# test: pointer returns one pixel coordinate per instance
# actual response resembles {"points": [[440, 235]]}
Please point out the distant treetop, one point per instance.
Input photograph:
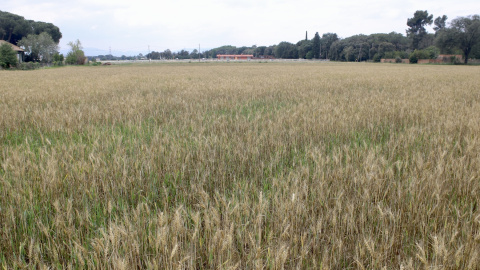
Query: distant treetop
{"points": [[14, 27]]}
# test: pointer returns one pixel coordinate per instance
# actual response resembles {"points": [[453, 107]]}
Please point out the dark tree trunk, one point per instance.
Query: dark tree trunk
{"points": [[10, 35], [467, 52]]}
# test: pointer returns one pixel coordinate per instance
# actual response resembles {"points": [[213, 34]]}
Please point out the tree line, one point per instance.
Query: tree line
{"points": [[460, 36]]}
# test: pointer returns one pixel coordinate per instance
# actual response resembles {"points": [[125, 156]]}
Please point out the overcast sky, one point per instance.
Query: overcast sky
{"points": [[130, 26]]}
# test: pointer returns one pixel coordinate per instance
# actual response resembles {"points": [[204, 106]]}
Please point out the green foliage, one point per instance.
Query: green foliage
{"points": [[316, 46], [432, 52], [463, 34], [286, 50], [440, 23], [28, 66], [413, 58], [13, 28], [304, 48], [475, 53], [416, 31], [227, 49], [447, 40], [58, 59], [154, 55], [8, 57], [309, 55], [326, 42], [355, 48], [385, 47], [76, 56], [39, 48]]}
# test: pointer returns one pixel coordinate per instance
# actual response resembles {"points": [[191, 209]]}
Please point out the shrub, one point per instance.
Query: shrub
{"points": [[76, 58], [413, 58], [431, 52], [309, 55], [8, 56], [28, 65], [390, 55]]}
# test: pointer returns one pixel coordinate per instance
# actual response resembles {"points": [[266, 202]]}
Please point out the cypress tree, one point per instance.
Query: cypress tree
{"points": [[316, 46]]}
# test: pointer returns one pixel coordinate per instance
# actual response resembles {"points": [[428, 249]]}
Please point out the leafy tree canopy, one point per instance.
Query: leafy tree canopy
{"points": [[14, 27], [286, 50], [40, 48], [440, 23], [416, 31], [463, 34], [316, 46], [76, 56]]}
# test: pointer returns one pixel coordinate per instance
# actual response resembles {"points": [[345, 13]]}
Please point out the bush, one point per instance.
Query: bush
{"points": [[377, 57], [28, 65], [309, 55], [8, 57], [403, 54], [431, 52], [76, 58], [390, 55], [413, 58], [398, 59], [58, 59]]}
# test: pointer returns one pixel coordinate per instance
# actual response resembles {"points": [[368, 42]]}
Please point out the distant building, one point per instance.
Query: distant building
{"points": [[234, 56], [20, 52]]}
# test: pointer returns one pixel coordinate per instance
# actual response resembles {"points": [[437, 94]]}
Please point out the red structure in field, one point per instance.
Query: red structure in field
{"points": [[234, 56]]}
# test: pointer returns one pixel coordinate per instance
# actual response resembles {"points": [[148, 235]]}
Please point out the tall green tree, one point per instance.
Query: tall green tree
{"points": [[76, 56], [49, 28], [167, 54], [463, 33], [305, 48], [440, 23], [327, 40], [316, 46], [14, 27], [416, 31], [286, 50], [8, 57], [39, 48]]}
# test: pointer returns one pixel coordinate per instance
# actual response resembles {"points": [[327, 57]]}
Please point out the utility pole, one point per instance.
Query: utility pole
{"points": [[149, 52], [198, 52]]}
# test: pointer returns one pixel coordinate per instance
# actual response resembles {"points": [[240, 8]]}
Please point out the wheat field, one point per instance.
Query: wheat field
{"points": [[240, 166]]}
